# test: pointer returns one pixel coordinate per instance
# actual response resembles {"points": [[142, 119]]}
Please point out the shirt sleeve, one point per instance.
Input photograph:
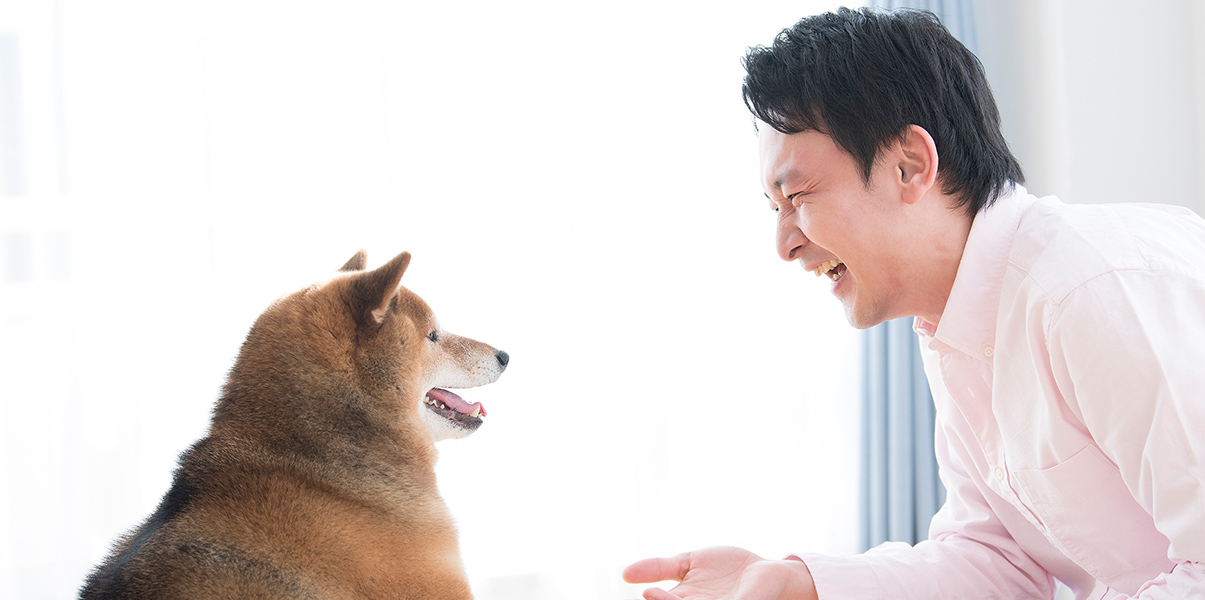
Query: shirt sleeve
{"points": [[1128, 353], [970, 554]]}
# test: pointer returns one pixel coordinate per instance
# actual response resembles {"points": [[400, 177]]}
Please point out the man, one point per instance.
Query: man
{"points": [[1064, 344]]}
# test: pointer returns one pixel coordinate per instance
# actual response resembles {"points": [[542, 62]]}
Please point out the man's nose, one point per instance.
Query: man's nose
{"points": [[790, 240]]}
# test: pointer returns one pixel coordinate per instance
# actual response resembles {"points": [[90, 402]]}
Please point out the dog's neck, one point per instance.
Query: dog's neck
{"points": [[338, 426]]}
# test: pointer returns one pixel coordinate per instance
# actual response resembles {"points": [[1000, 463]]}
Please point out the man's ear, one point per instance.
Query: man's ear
{"points": [[917, 163]]}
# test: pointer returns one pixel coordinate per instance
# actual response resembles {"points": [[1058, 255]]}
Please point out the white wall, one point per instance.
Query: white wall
{"points": [[578, 186], [1101, 101]]}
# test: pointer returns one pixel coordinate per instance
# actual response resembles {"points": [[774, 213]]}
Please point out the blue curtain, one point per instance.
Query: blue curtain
{"points": [[901, 490]]}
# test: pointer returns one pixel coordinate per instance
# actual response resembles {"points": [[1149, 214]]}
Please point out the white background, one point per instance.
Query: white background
{"points": [[578, 185]]}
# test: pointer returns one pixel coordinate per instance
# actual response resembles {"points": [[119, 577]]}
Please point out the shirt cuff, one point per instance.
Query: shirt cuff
{"points": [[840, 577]]}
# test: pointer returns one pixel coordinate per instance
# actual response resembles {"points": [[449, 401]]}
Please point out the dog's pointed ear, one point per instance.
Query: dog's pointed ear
{"points": [[377, 288], [359, 262]]}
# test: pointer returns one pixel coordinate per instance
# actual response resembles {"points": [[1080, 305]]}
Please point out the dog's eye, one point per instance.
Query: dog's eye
{"points": [[434, 337]]}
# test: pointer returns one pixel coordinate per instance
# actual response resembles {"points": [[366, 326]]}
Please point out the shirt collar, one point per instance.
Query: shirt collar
{"points": [[968, 322]]}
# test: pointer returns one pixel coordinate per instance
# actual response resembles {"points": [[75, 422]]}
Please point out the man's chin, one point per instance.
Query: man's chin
{"points": [[864, 324], [860, 318]]}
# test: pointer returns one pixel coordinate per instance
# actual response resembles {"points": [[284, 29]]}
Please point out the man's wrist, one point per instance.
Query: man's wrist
{"points": [[801, 583]]}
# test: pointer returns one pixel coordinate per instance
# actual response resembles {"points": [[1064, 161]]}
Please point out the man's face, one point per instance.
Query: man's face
{"points": [[835, 224]]}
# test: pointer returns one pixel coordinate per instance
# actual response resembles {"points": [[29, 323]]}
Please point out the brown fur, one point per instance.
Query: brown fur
{"points": [[316, 479]]}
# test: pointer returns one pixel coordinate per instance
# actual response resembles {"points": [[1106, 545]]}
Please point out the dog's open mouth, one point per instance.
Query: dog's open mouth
{"points": [[455, 409]]}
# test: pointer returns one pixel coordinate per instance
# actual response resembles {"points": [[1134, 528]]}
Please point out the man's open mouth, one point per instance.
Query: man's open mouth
{"points": [[455, 409], [834, 269]]}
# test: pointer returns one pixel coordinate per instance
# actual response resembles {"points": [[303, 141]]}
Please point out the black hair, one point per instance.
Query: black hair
{"points": [[863, 76]]}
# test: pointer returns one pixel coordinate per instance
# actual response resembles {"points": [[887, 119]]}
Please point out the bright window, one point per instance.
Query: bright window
{"points": [[578, 185]]}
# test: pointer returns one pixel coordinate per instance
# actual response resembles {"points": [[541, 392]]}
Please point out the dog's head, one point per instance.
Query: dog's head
{"points": [[393, 323], [353, 354]]}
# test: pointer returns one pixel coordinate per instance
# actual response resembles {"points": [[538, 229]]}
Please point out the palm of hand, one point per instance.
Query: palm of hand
{"points": [[712, 574]]}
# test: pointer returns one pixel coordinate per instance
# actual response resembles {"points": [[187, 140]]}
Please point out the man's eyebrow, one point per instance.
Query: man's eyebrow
{"points": [[792, 174]]}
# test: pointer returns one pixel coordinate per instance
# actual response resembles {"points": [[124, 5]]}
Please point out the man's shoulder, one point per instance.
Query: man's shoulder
{"points": [[1060, 246]]}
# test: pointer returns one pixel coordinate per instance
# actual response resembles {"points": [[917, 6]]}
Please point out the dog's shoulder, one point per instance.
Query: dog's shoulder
{"points": [[125, 573], [182, 551]]}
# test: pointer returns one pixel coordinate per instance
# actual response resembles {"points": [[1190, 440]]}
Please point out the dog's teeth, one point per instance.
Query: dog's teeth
{"points": [[476, 411]]}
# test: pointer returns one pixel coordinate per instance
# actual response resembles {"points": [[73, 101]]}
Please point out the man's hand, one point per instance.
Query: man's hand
{"points": [[723, 574]]}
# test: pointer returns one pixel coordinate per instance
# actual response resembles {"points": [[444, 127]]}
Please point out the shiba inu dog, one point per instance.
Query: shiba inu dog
{"points": [[316, 478]]}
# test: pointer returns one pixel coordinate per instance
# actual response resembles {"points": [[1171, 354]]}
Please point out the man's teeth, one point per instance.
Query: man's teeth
{"points": [[824, 268], [433, 402]]}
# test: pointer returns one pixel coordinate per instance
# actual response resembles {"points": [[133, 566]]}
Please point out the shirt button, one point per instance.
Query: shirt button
{"points": [[988, 352], [1000, 473]]}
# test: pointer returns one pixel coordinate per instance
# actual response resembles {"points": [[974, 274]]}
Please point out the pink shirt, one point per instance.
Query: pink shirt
{"points": [[1068, 372]]}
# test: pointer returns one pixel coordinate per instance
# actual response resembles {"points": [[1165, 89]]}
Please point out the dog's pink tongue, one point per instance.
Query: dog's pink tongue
{"points": [[455, 402]]}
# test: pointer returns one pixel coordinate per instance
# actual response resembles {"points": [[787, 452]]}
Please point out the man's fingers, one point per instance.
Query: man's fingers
{"points": [[652, 570], [659, 594]]}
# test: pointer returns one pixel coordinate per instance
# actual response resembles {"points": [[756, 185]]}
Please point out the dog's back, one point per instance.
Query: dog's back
{"points": [[316, 479]]}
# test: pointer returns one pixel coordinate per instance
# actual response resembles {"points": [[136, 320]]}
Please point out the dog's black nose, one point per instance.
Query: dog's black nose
{"points": [[503, 358]]}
